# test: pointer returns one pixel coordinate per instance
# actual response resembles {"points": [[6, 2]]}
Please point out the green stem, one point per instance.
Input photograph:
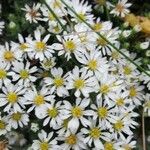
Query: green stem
{"points": [[54, 14], [129, 59]]}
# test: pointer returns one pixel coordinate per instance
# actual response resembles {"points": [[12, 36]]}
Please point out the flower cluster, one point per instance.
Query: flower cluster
{"points": [[71, 85]]}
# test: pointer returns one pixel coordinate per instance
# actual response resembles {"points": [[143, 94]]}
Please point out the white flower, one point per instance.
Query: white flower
{"points": [[45, 142], [76, 113], [72, 140], [94, 134], [94, 61], [12, 97], [121, 9], [32, 14], [135, 94], [111, 36], [52, 115], [38, 48], [38, 99], [57, 82], [4, 69], [103, 113], [18, 119], [127, 143], [22, 73], [9, 54], [69, 45], [82, 9]]}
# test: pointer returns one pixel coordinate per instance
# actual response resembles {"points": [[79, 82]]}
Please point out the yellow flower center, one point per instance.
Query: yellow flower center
{"points": [[82, 16], [127, 147], [118, 125], [71, 139], [23, 46], [115, 55], [77, 112], [92, 64], [57, 4], [3, 74], [24, 74], [95, 133], [12, 97], [127, 70], [108, 146], [56, 29], [2, 125], [52, 112], [79, 83], [104, 89], [120, 102], [101, 42], [133, 92], [102, 112], [16, 116], [9, 56], [40, 46], [39, 100], [119, 7], [97, 26], [70, 46], [58, 81], [100, 2], [44, 146], [51, 16]]}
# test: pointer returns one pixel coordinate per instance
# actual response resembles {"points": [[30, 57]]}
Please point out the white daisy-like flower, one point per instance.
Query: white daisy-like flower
{"points": [[18, 119], [68, 45], [103, 113], [82, 81], [136, 94], [1, 26], [49, 17], [108, 85], [94, 61], [111, 36], [22, 73], [12, 97], [85, 35], [52, 114], [4, 125], [94, 135], [122, 124], [121, 8], [45, 142], [57, 82], [38, 99], [32, 13], [9, 53], [83, 9], [147, 104], [76, 113], [72, 140], [38, 48], [4, 69], [127, 143]]}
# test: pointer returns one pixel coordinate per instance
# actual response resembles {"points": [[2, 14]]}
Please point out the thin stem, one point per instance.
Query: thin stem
{"points": [[107, 12], [143, 131], [129, 59], [54, 14]]}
